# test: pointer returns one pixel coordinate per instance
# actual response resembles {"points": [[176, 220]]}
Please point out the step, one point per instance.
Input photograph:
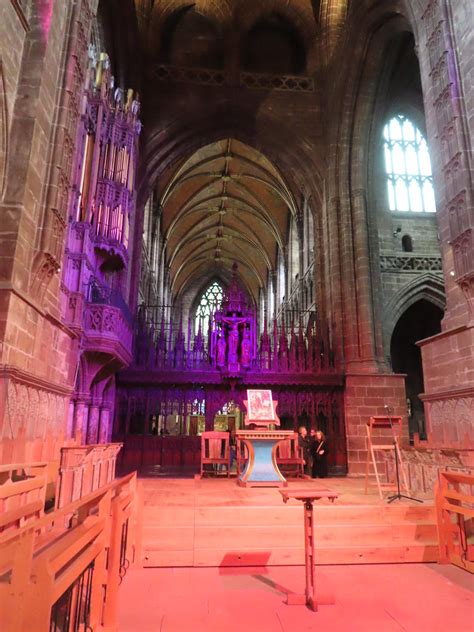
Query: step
{"points": [[288, 515], [416, 553]]}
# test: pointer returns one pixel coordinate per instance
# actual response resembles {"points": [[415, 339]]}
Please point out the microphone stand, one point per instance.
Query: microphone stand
{"points": [[398, 495]]}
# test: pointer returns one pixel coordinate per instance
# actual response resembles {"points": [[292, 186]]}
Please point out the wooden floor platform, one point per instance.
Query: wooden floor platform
{"points": [[213, 522]]}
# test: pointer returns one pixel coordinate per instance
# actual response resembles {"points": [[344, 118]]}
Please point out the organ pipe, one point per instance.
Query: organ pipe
{"points": [[106, 177]]}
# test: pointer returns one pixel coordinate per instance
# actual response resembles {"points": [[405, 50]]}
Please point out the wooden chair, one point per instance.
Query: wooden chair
{"points": [[290, 456], [215, 451]]}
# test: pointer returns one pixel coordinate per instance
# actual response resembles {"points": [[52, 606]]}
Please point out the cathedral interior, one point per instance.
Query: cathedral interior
{"points": [[201, 198]]}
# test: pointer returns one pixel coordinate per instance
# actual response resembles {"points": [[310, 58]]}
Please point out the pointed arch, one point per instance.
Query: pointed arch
{"points": [[207, 302], [428, 286]]}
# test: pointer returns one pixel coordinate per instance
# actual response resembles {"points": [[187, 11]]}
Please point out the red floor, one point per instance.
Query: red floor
{"points": [[368, 598]]}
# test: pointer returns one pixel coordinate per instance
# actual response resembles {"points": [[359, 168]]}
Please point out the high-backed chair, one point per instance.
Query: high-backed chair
{"points": [[215, 451], [290, 456]]}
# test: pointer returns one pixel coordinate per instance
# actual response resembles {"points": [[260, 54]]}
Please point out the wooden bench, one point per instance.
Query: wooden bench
{"points": [[68, 564]]}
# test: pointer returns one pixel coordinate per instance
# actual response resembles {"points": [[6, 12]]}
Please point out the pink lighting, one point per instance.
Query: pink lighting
{"points": [[45, 17]]}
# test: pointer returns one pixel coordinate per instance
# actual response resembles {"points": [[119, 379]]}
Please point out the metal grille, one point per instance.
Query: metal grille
{"points": [[124, 562], [71, 612]]}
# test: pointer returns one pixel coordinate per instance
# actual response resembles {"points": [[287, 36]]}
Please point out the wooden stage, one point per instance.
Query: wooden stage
{"points": [[213, 522]]}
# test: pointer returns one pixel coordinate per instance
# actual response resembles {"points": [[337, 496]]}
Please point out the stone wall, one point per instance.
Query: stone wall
{"points": [[38, 353], [319, 130]]}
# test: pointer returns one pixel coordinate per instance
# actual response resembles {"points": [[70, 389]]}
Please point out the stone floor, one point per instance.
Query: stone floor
{"points": [[370, 598]]}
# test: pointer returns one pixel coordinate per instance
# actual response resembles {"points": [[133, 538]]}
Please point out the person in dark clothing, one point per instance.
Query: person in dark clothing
{"points": [[320, 455], [305, 443]]}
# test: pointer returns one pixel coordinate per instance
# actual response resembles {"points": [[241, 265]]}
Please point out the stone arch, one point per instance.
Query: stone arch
{"points": [[331, 15], [273, 44], [427, 286], [365, 47], [218, 12], [419, 319], [191, 38], [300, 17]]}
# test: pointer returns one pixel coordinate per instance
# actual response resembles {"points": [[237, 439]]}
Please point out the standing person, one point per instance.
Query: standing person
{"points": [[305, 443], [320, 455]]}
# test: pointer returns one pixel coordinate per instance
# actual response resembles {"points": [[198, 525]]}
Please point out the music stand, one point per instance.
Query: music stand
{"points": [[375, 424], [398, 495]]}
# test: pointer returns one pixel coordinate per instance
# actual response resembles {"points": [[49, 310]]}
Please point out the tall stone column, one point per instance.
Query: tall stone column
{"points": [[448, 358], [371, 387]]}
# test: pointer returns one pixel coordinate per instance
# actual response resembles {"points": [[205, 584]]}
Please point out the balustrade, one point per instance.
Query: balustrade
{"points": [[105, 325]]}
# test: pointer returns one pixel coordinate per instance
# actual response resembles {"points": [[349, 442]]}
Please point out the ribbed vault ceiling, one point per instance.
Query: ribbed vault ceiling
{"points": [[226, 203]]}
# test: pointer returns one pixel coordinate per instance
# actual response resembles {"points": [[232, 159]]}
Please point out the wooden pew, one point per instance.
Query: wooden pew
{"points": [[22, 493], [71, 561]]}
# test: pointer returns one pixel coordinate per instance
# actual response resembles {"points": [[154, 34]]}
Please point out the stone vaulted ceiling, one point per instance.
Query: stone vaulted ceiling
{"points": [[226, 203]]}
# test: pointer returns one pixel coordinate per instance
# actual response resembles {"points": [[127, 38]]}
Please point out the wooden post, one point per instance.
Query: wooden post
{"points": [[12, 609], [113, 569], [138, 532]]}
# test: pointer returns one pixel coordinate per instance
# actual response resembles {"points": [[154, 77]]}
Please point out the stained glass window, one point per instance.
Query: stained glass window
{"points": [[210, 301], [408, 167]]}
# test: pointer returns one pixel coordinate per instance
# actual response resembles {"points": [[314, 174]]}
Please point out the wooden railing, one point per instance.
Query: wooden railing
{"points": [[22, 493], [62, 571], [455, 513]]}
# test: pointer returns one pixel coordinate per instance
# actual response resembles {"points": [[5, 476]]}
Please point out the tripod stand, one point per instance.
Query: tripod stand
{"points": [[398, 495]]}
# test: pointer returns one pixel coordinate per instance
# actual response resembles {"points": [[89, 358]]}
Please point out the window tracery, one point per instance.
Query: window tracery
{"points": [[210, 301], [408, 167]]}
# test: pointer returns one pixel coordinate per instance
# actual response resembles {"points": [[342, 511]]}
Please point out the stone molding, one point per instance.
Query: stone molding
{"points": [[410, 263], [23, 377], [33, 422], [250, 80]]}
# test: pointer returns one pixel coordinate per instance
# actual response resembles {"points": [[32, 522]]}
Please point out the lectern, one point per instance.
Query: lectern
{"points": [[307, 496]]}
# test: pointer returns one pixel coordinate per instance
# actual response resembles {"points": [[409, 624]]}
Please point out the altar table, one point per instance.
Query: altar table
{"points": [[262, 469]]}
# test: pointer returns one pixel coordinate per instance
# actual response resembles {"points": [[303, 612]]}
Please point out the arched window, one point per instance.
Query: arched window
{"points": [[210, 301], [408, 167]]}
